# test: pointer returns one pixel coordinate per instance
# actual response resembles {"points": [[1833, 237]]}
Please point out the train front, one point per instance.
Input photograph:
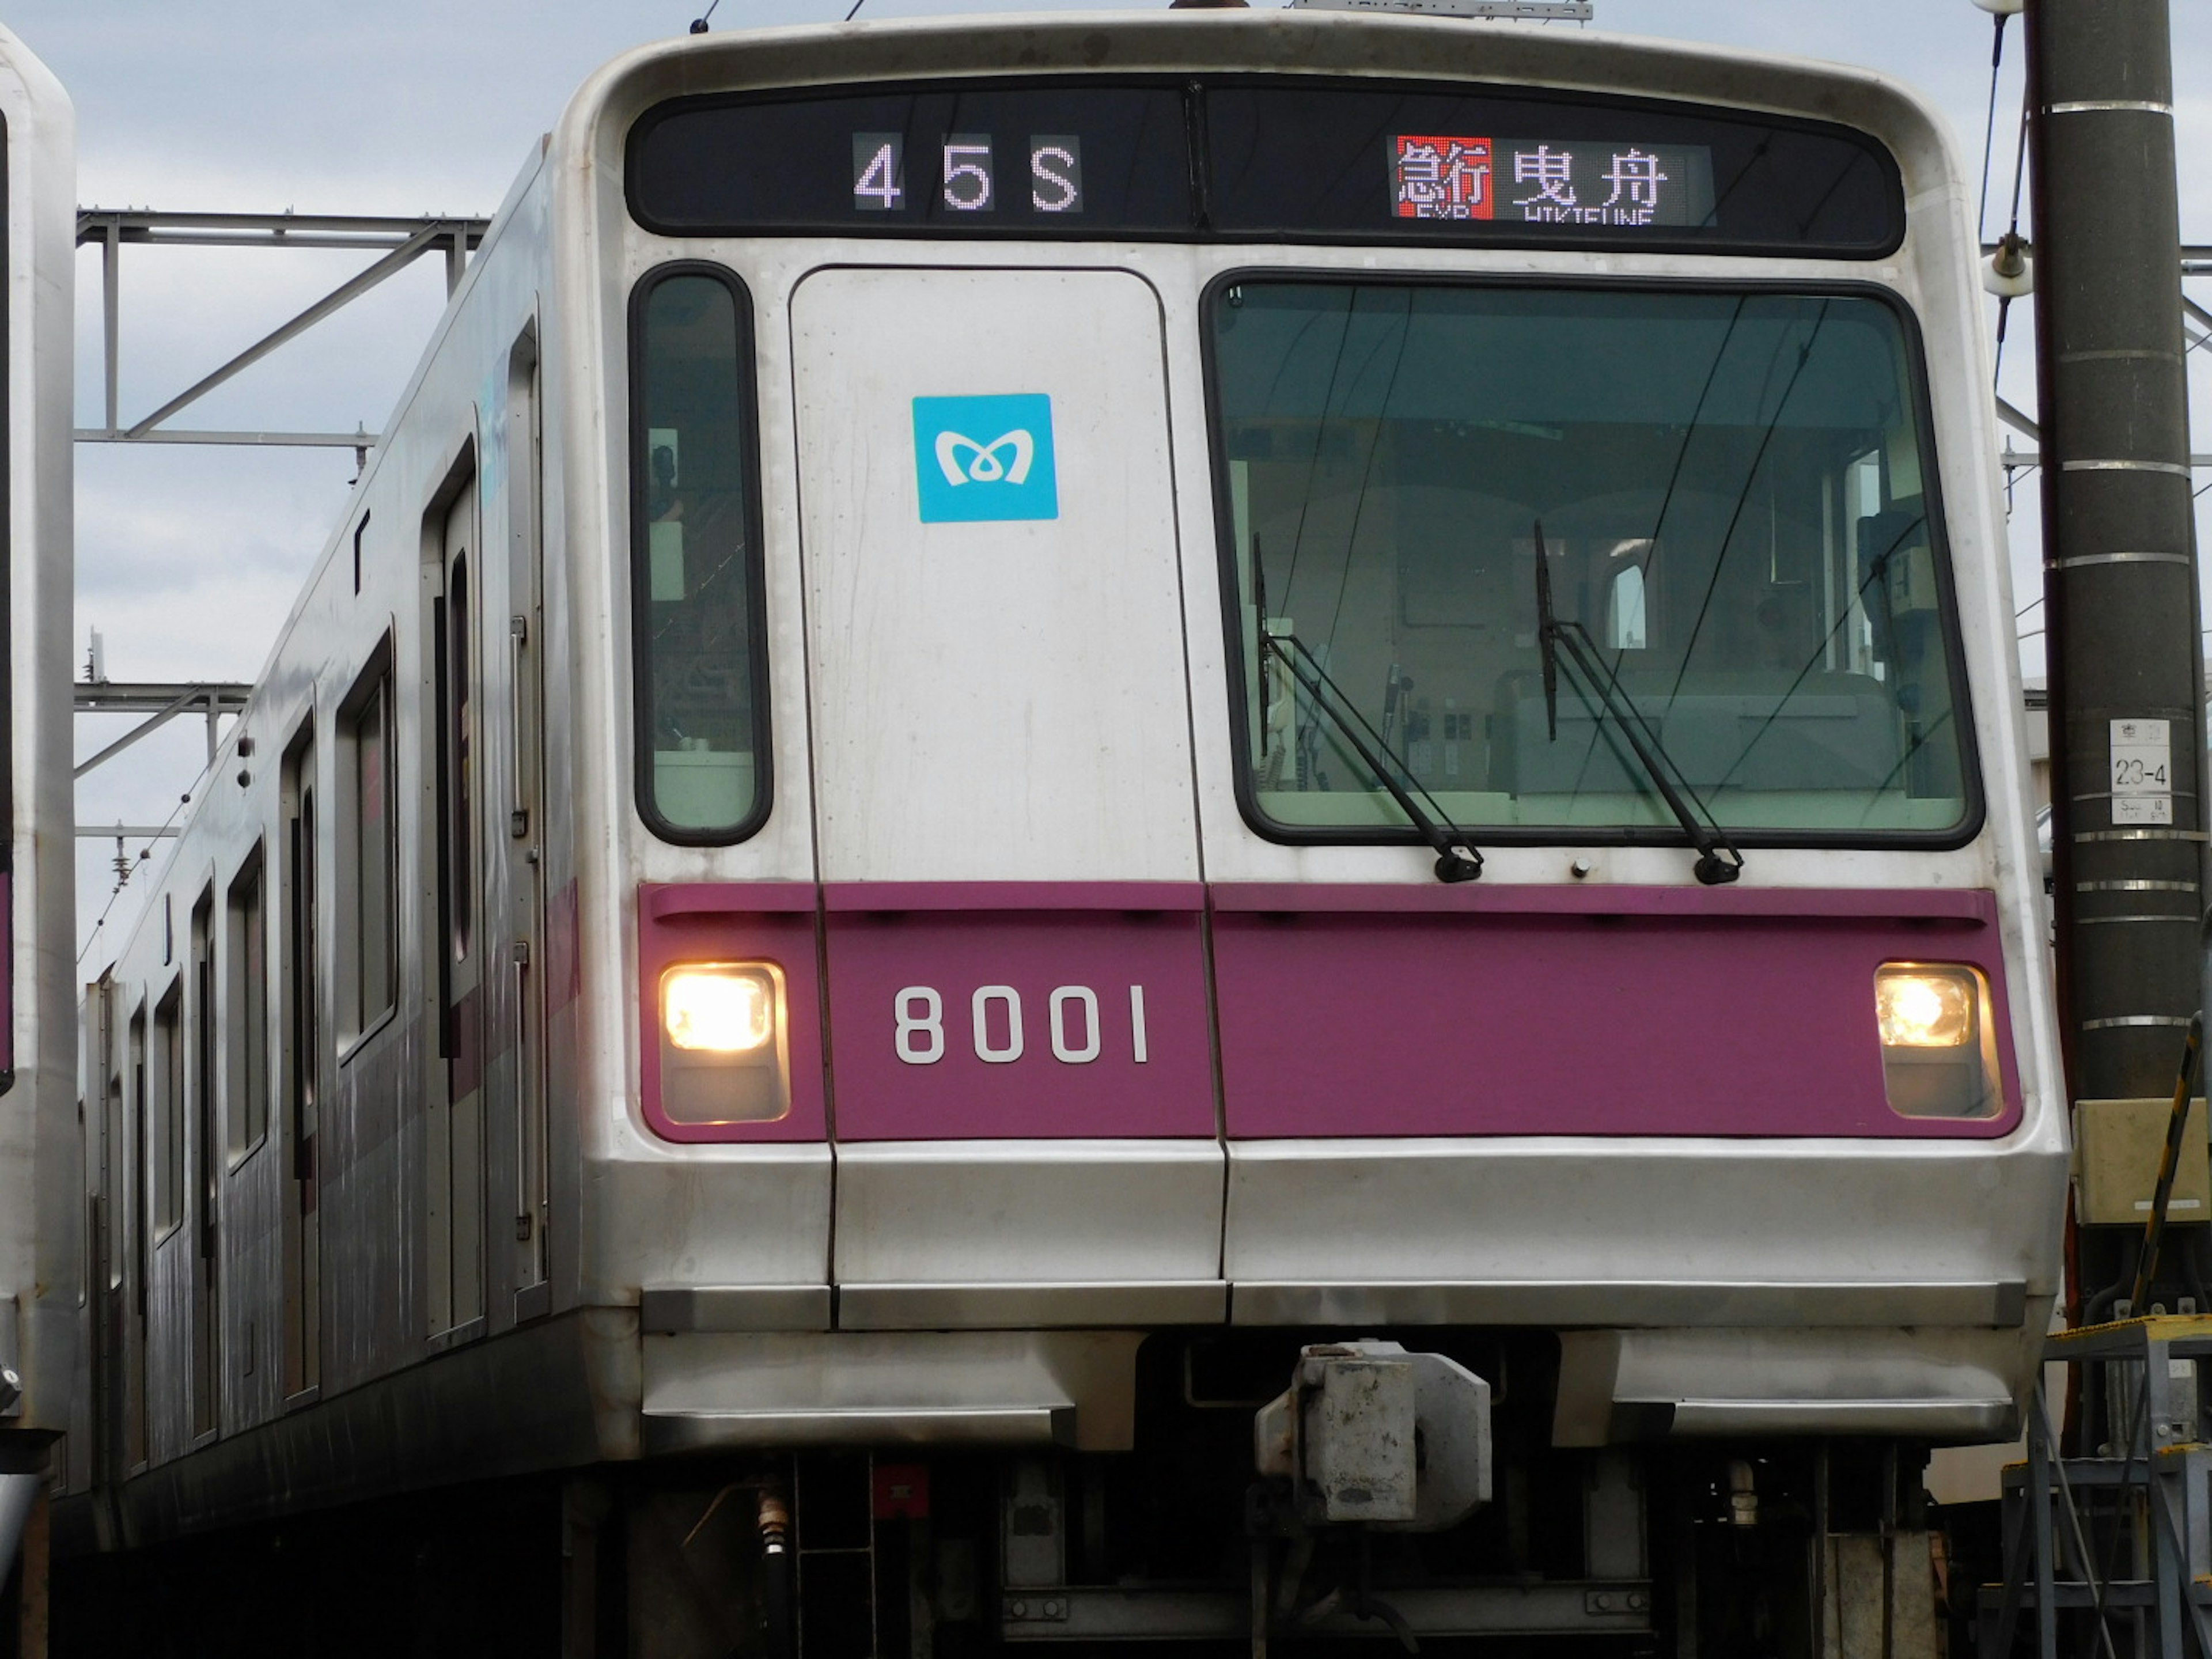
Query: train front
{"points": [[1321, 869]]}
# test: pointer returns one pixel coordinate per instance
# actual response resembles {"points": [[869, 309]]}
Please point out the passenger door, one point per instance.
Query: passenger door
{"points": [[206, 1199], [111, 1281], [456, 1123], [1008, 834], [138, 1411]]}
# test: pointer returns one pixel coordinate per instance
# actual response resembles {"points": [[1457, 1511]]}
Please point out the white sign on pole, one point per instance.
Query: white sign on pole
{"points": [[2143, 772]]}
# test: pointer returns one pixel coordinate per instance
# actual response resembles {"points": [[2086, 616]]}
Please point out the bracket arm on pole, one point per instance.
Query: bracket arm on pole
{"points": [[390, 265]]}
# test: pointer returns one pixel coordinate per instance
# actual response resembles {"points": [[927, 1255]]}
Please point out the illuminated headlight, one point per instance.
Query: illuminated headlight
{"points": [[1938, 1048], [723, 1056], [719, 1010], [1926, 1007]]}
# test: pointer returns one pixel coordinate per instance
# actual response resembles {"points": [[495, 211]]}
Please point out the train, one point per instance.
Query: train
{"points": [[42, 1293], [816, 1010]]}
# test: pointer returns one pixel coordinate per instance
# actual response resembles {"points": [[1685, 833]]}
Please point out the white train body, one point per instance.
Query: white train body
{"points": [[41, 1289], [1091, 1004]]}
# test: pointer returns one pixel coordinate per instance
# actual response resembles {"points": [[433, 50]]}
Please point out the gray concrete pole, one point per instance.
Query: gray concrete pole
{"points": [[2119, 547]]}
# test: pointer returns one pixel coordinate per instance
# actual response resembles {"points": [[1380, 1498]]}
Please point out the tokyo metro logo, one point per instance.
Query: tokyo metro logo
{"points": [[966, 461], [984, 459]]}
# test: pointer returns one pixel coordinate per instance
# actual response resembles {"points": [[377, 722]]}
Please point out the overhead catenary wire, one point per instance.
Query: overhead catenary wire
{"points": [[92, 937], [2012, 227], [1990, 134]]}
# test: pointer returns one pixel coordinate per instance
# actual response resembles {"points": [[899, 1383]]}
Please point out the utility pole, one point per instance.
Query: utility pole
{"points": [[2126, 661]]}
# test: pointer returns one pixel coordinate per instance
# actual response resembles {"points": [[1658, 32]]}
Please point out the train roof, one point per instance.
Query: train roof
{"points": [[1270, 39]]}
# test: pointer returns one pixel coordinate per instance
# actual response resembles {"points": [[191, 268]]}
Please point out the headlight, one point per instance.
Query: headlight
{"points": [[723, 1056], [1939, 1056], [1926, 1007], [718, 1009]]}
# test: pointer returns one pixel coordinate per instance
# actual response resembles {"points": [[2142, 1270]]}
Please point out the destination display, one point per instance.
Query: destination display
{"points": [[1541, 182], [1026, 161], [1249, 158], [969, 181]]}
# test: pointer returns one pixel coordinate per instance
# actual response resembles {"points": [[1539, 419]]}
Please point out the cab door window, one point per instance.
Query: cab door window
{"points": [[702, 769]]}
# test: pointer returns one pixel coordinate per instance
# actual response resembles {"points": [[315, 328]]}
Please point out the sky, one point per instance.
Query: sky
{"points": [[188, 558]]}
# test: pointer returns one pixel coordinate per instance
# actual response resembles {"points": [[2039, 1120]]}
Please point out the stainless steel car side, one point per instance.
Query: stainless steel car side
{"points": [[42, 1380]]}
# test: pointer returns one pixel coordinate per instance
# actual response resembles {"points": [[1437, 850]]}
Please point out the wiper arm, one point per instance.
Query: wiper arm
{"points": [[1705, 834], [1457, 857], [1547, 649]]}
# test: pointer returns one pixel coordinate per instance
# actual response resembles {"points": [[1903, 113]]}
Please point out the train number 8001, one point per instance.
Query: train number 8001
{"points": [[995, 1024]]}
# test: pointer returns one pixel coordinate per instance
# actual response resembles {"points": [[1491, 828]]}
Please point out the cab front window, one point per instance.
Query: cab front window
{"points": [[1740, 541], [702, 763]]}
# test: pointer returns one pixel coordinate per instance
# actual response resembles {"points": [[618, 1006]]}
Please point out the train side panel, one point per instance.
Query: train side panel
{"points": [[368, 1170], [41, 1229]]}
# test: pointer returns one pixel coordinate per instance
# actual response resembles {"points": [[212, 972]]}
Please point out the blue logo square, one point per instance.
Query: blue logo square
{"points": [[978, 459]]}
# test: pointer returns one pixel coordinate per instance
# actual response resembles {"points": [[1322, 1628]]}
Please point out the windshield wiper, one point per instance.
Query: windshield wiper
{"points": [[1704, 830], [1457, 857]]}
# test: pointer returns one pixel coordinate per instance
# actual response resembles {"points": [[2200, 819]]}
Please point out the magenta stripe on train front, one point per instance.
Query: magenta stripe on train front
{"points": [[1018, 1010], [1398, 1011]]}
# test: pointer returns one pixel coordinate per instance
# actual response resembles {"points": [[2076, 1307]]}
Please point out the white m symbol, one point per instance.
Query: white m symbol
{"points": [[983, 463]]}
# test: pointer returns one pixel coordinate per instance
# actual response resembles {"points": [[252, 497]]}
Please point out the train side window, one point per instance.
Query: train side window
{"points": [[302, 961], [703, 761], [299, 994], [206, 1169], [246, 1035], [368, 851], [138, 1202], [137, 1199], [201, 1014], [168, 1150], [460, 681], [113, 1182]]}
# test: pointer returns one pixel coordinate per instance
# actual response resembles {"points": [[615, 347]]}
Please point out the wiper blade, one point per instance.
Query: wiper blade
{"points": [[1547, 649], [1719, 862], [1457, 857]]}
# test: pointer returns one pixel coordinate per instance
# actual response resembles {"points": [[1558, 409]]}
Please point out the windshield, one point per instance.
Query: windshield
{"points": [[1730, 492]]}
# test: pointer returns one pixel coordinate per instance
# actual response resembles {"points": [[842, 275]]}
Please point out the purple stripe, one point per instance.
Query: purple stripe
{"points": [[1342, 1017], [1343, 1009], [1130, 1080]]}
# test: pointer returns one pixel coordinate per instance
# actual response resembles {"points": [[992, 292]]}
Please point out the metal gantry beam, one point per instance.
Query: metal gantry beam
{"points": [[401, 242], [163, 699]]}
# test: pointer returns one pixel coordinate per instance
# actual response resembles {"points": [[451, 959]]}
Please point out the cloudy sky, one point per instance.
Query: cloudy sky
{"points": [[188, 558]]}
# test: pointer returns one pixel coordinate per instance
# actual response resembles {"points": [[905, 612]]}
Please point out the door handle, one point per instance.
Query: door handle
{"points": [[518, 814]]}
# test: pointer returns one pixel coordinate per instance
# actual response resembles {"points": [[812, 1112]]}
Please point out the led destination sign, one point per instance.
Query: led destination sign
{"points": [[1028, 161], [968, 180], [1251, 158], [1544, 182]]}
